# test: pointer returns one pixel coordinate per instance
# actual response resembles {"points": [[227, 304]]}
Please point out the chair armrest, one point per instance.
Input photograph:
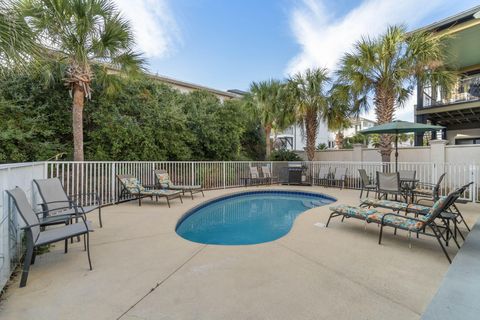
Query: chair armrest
{"points": [[59, 201], [61, 208], [401, 216]]}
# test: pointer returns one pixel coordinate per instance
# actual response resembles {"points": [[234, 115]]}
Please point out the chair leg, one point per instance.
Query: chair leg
{"points": [[26, 266], [34, 255], [361, 193], [84, 242], [168, 202], [88, 249], [139, 201], [380, 235], [203, 193], [191, 193], [66, 246], [441, 244], [326, 226], [100, 216], [181, 200]]}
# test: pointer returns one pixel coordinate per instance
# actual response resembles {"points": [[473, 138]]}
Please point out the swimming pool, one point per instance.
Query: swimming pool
{"points": [[247, 217]]}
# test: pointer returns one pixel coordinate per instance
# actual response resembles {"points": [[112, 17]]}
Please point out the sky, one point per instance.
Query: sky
{"points": [[227, 44]]}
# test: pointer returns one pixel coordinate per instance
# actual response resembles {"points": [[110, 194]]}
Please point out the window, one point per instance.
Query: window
{"points": [[467, 141]]}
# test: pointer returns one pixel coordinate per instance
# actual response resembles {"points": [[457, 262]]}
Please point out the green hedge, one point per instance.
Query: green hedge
{"points": [[143, 120]]}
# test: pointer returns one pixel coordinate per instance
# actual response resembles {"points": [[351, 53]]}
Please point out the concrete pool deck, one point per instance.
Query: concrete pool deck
{"points": [[144, 270]]}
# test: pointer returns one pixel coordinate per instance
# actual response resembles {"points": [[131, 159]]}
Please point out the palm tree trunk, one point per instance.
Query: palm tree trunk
{"points": [[339, 139], [385, 109], [77, 122], [311, 126], [268, 129]]}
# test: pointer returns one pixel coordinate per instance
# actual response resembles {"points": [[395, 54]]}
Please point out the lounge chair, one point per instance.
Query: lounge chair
{"points": [[397, 221], [132, 186], [268, 175], [35, 237], [163, 181], [323, 176], [365, 182], [339, 177], [56, 201]]}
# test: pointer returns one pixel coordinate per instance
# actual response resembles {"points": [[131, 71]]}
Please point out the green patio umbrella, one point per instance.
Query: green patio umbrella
{"points": [[399, 126]]}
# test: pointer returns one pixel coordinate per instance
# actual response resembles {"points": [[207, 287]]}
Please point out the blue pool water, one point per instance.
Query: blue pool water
{"points": [[248, 217]]}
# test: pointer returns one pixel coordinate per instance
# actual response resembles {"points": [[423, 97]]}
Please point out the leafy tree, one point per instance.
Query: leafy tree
{"points": [[387, 68], [269, 100], [309, 98], [284, 155], [337, 112], [81, 32], [17, 42]]}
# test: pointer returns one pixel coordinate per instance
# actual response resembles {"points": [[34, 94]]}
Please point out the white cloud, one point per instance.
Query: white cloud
{"points": [[324, 37], [155, 27]]}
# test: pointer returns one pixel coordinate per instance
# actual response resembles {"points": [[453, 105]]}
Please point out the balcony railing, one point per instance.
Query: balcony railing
{"points": [[465, 90]]}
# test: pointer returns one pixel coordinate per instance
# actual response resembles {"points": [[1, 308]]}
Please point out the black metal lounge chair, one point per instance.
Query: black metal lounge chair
{"points": [[131, 185], [339, 177], [35, 237], [365, 182], [58, 203], [397, 221], [268, 175], [162, 179]]}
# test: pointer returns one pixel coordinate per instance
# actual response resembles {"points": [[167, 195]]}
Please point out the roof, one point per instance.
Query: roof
{"points": [[464, 16], [192, 85]]}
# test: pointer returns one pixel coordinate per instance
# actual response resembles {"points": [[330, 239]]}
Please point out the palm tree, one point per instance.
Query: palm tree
{"points": [[269, 101], [17, 43], [308, 97], [80, 33], [387, 69], [337, 112]]}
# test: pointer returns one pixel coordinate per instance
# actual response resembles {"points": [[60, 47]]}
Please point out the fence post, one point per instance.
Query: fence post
{"points": [[193, 173], [112, 183], [224, 176], [475, 182]]}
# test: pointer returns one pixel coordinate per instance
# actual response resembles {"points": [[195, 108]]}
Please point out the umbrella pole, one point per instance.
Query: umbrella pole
{"points": [[396, 152]]}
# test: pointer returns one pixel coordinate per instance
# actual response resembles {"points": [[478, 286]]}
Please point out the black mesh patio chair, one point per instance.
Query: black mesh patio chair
{"points": [[389, 183], [365, 182], [35, 237], [408, 181], [323, 176], [425, 191], [131, 185], [162, 181], [255, 176], [268, 175], [338, 178], [57, 203]]}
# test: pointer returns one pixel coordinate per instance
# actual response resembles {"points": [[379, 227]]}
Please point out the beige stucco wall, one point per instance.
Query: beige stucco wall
{"points": [[462, 134], [440, 153]]}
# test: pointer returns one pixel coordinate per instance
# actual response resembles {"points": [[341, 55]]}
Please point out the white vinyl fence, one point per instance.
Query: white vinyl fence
{"points": [[100, 177]]}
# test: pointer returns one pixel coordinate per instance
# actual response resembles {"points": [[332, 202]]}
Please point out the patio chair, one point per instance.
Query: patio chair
{"points": [[56, 201], [365, 182], [131, 185], [389, 183], [428, 191], [339, 177], [323, 176], [268, 175], [255, 176], [407, 181], [35, 237], [163, 181]]}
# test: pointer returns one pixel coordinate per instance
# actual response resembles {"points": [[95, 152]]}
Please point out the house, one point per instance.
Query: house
{"points": [[357, 124], [186, 87], [459, 109]]}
